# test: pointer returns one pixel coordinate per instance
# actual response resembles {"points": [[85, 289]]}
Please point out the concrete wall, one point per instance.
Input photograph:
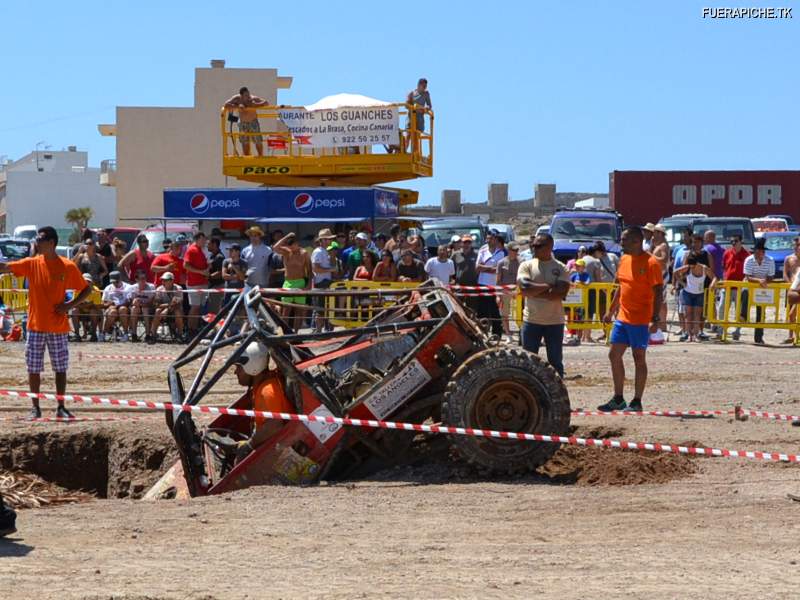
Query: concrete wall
{"points": [[497, 194], [545, 195], [34, 198], [159, 148]]}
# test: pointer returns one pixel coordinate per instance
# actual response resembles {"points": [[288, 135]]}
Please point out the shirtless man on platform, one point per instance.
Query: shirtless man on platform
{"points": [[248, 119], [297, 264]]}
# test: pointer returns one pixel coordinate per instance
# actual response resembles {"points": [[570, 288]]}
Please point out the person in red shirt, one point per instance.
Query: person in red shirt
{"points": [[49, 277], [636, 306], [140, 259], [196, 265], [733, 270], [169, 262]]}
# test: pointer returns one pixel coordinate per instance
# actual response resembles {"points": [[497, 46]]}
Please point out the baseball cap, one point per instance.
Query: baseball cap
{"points": [[88, 277], [580, 262], [466, 238], [513, 246], [362, 236], [333, 246], [181, 238], [493, 232], [114, 276], [582, 249], [167, 275], [235, 247], [455, 238]]}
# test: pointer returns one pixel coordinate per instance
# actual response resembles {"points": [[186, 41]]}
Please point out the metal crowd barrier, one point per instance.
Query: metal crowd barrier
{"points": [[754, 307], [584, 305], [14, 300]]}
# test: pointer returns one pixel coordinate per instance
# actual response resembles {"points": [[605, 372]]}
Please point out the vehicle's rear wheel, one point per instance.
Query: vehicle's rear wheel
{"points": [[508, 390]]}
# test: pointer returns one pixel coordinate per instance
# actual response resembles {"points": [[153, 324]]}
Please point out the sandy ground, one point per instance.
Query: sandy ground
{"points": [[716, 528]]}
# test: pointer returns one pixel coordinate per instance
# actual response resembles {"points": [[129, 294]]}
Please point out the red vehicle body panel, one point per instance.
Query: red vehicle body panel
{"points": [[643, 196]]}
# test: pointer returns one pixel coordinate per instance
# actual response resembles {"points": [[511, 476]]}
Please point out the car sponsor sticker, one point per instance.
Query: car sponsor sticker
{"points": [[322, 431], [407, 382]]}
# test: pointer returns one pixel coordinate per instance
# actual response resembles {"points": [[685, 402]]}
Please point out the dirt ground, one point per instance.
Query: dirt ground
{"points": [[592, 523]]}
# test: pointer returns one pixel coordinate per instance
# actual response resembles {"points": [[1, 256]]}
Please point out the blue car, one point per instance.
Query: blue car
{"points": [[572, 228], [780, 244]]}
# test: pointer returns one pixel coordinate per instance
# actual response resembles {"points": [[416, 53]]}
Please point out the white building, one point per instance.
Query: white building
{"points": [[39, 189]]}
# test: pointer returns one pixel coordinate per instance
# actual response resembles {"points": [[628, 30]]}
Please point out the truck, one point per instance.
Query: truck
{"points": [[572, 228], [647, 196]]}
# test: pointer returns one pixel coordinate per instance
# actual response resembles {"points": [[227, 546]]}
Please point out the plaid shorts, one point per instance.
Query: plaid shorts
{"points": [[57, 347]]}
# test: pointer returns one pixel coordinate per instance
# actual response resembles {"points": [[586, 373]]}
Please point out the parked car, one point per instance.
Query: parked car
{"points": [[677, 224], [789, 220], [780, 244], [157, 233], [435, 232], [726, 228], [25, 232], [14, 248], [126, 234], [764, 224], [507, 231], [572, 228]]}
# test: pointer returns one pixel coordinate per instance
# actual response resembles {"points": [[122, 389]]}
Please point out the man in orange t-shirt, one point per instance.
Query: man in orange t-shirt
{"points": [[636, 306], [49, 277]]}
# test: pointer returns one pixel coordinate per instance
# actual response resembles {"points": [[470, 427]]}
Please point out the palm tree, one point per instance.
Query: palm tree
{"points": [[79, 217]]}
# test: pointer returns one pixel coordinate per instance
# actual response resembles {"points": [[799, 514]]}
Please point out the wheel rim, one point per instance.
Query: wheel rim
{"points": [[507, 406]]}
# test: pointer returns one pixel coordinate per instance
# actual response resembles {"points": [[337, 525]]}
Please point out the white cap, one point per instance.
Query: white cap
{"points": [[455, 239], [88, 277], [167, 275], [253, 359], [362, 236]]}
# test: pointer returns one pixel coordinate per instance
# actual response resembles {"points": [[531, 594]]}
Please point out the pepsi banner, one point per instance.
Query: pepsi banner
{"points": [[342, 127], [289, 204]]}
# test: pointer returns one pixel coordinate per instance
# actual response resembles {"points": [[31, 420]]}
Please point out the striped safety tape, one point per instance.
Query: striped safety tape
{"points": [[465, 431]]}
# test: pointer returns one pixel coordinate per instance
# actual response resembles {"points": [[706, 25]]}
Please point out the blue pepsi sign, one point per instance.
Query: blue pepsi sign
{"points": [[282, 203]]}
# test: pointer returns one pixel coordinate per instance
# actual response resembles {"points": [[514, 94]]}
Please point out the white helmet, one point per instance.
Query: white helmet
{"points": [[254, 358]]}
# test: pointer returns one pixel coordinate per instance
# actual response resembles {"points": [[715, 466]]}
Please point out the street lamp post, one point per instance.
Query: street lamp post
{"points": [[36, 150]]}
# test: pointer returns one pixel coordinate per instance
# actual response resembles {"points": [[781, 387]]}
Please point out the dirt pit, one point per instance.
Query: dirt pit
{"points": [[112, 464], [104, 462]]}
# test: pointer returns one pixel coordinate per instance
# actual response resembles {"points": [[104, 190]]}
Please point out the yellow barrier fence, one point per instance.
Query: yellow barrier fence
{"points": [[355, 311], [584, 305], [16, 302], [754, 306]]}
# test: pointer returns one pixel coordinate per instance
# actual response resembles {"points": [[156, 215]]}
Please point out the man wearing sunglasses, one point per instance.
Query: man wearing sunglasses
{"points": [[49, 277], [544, 283]]}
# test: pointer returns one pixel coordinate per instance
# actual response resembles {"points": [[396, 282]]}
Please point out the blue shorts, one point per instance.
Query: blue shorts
{"points": [[694, 300], [635, 336]]}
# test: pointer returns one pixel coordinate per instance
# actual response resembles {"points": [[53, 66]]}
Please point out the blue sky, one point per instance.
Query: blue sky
{"points": [[524, 92]]}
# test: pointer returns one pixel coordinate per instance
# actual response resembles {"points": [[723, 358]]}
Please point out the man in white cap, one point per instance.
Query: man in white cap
{"points": [[324, 270], [647, 232], [168, 304]]}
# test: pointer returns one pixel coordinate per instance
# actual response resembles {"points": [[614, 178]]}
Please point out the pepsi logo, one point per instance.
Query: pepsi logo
{"points": [[199, 204], [303, 203]]}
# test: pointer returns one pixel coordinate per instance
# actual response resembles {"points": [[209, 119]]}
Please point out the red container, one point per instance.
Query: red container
{"points": [[643, 196]]}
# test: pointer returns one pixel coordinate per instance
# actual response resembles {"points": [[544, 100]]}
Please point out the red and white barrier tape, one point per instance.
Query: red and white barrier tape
{"points": [[82, 356], [78, 419], [506, 435], [651, 413]]}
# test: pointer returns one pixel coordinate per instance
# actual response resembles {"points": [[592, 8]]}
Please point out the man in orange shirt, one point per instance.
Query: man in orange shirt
{"points": [[49, 277], [266, 393], [636, 306]]}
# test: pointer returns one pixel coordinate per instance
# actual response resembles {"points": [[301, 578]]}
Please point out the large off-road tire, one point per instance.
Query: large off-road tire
{"points": [[509, 390]]}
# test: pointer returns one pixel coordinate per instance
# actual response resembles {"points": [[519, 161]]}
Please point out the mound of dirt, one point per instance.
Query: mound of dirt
{"points": [[598, 466]]}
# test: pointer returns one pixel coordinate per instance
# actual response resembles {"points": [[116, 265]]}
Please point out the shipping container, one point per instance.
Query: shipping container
{"points": [[647, 196]]}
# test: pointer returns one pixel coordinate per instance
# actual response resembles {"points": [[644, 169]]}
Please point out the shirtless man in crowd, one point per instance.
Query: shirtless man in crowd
{"points": [[246, 103], [791, 265], [297, 264]]}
